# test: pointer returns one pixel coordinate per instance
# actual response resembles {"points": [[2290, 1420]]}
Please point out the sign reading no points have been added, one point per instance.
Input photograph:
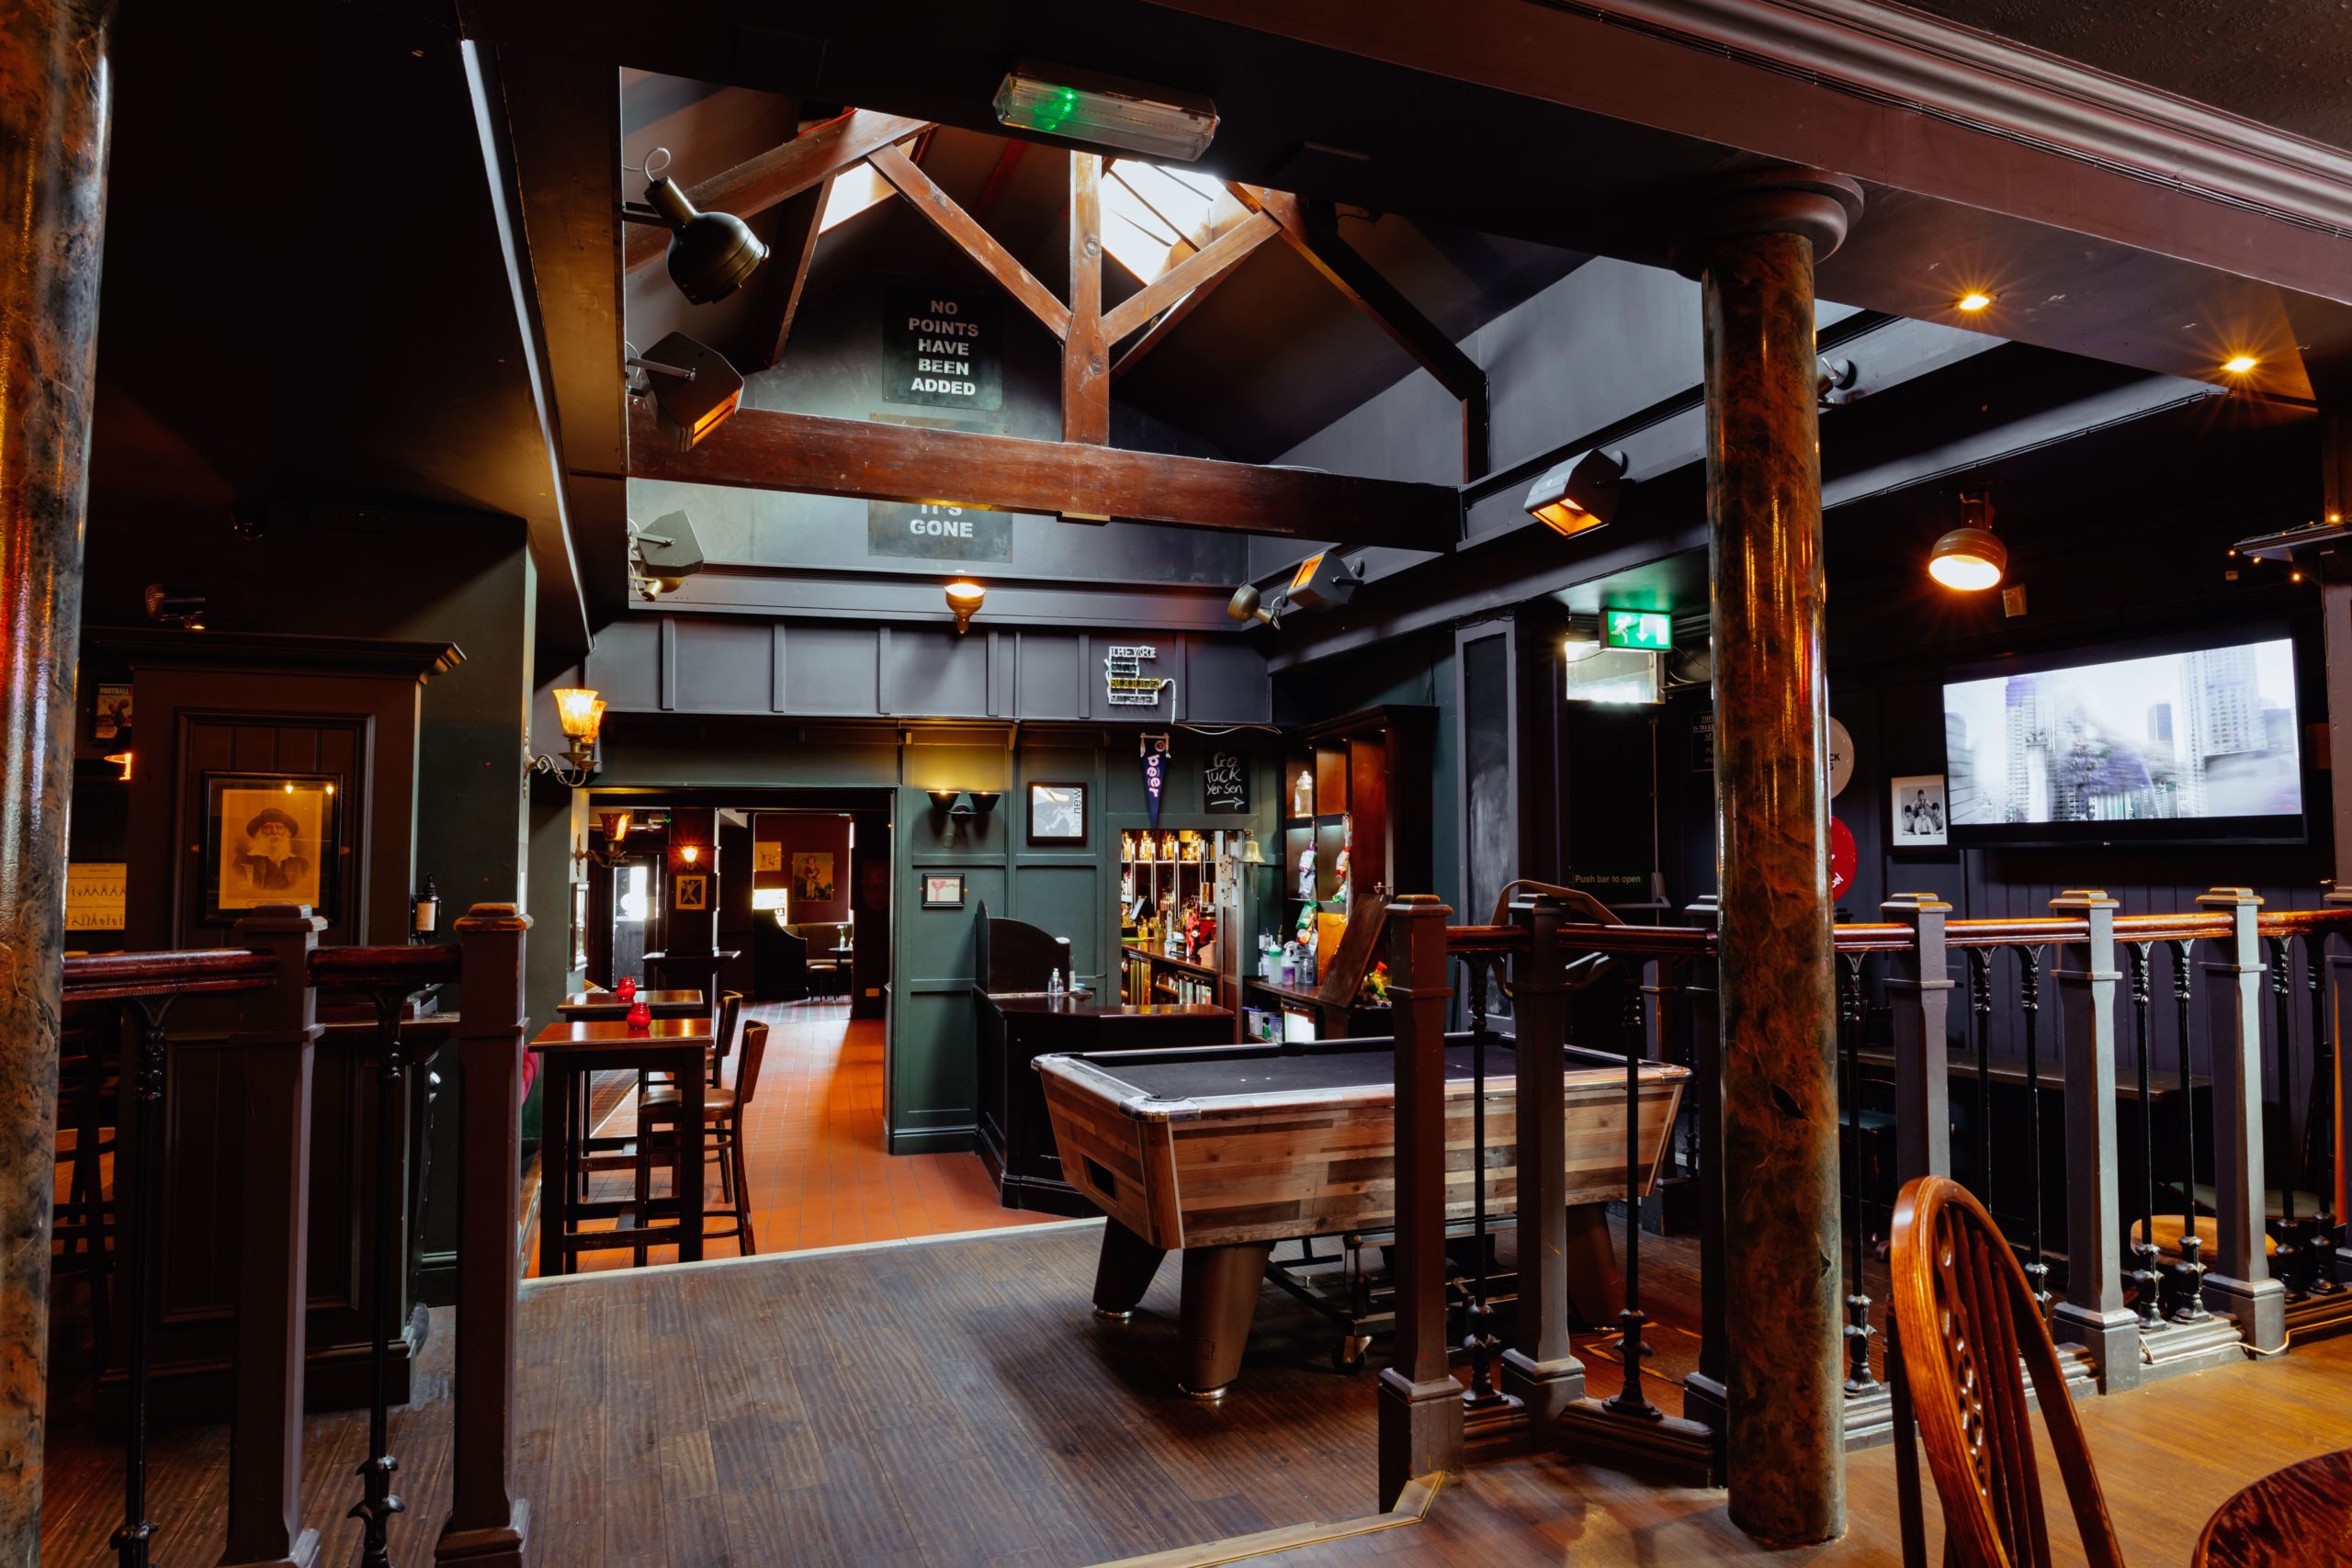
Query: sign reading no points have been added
{"points": [[940, 347]]}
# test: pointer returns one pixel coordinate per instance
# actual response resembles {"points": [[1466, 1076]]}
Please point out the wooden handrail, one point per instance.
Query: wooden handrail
{"points": [[2015, 933], [2277, 922], [110, 976], [383, 965]]}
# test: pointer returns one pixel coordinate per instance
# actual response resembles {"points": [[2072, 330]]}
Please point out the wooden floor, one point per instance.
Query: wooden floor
{"points": [[816, 1167], [955, 1402]]}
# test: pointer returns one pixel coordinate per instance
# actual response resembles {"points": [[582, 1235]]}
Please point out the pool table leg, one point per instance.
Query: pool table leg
{"points": [[1596, 1290], [1124, 1272], [1220, 1298]]}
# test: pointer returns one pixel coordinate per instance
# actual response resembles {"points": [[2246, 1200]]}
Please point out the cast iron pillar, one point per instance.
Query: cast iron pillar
{"points": [[54, 101], [1752, 247]]}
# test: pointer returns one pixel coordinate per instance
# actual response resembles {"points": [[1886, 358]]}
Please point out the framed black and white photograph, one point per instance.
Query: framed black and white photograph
{"points": [[943, 890], [1918, 822], [269, 838], [1058, 814]]}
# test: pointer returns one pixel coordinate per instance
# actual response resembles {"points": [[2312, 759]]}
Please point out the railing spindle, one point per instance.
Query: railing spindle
{"points": [[1858, 1300], [1479, 1338], [2144, 1278], [2289, 1253], [2321, 1115], [377, 1501], [2037, 1268], [1630, 1401], [150, 1053], [1980, 1016], [2189, 1275]]}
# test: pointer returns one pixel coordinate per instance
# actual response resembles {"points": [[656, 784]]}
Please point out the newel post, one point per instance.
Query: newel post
{"points": [[488, 1523], [1918, 982], [274, 1057], [2238, 1282], [1421, 1402], [2092, 1313], [1541, 1370]]}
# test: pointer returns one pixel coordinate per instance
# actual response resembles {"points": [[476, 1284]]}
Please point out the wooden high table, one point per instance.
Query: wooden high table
{"points": [[589, 1007], [666, 968], [568, 1051]]}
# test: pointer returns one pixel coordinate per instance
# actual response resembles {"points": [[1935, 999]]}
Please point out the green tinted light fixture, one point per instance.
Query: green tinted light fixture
{"points": [[1107, 111], [1648, 629]]}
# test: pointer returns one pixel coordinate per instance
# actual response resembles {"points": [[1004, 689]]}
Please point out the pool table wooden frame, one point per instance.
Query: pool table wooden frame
{"points": [[1221, 1178]]}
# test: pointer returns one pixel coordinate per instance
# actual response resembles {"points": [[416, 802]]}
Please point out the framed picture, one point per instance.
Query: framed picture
{"points": [[812, 877], [943, 890], [692, 892], [767, 855], [270, 838], [112, 712], [579, 927], [1919, 819], [1058, 814]]}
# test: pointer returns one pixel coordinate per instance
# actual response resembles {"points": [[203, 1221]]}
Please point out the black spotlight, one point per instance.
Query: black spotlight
{"points": [[710, 253], [693, 388]]}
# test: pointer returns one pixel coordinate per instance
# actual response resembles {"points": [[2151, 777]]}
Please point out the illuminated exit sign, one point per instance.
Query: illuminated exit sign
{"points": [[1651, 630]]}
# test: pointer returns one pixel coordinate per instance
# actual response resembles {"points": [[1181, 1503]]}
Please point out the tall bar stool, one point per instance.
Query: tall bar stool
{"points": [[722, 1112]]}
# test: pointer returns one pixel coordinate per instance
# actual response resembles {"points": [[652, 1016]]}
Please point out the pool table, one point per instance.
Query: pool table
{"points": [[1221, 1151]]}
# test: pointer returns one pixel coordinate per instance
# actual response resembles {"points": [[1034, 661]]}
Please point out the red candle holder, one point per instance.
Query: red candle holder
{"points": [[625, 988], [640, 1016]]}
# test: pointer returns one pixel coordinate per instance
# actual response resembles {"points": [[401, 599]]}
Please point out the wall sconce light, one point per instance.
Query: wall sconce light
{"points": [[710, 253], [692, 386], [954, 805], [690, 854], [984, 800], [1245, 606], [1580, 494], [963, 603], [1971, 558], [425, 912], [581, 713], [120, 760]]}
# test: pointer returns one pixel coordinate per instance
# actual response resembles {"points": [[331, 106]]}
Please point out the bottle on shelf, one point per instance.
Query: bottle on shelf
{"points": [[1054, 983]]}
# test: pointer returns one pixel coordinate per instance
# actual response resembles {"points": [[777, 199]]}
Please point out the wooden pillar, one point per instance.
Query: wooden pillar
{"points": [[488, 1524], [54, 113], [2093, 1314], [1541, 1369], [1086, 356], [2237, 1278], [1421, 1402], [1752, 245], [1918, 988], [273, 1061]]}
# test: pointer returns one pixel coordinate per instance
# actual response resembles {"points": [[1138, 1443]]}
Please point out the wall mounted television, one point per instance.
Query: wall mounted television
{"points": [[2186, 738]]}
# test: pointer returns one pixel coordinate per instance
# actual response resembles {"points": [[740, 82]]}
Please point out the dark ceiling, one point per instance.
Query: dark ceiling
{"points": [[1274, 355], [2283, 62]]}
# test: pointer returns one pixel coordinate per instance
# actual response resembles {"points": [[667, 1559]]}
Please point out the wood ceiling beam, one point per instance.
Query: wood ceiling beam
{"points": [[1187, 277], [765, 449], [944, 215], [780, 174], [1086, 353], [1312, 231], [777, 290]]}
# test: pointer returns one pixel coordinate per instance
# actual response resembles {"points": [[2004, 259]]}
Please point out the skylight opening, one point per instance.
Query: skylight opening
{"points": [[1154, 218], [854, 191]]}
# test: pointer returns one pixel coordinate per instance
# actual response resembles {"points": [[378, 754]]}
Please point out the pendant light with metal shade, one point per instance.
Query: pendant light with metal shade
{"points": [[1971, 558], [711, 253]]}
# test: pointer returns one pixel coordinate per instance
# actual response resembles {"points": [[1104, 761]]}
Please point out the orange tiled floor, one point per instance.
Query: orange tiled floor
{"points": [[814, 1149]]}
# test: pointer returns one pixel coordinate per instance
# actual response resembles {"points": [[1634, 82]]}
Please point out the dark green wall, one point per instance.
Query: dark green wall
{"points": [[1070, 891]]}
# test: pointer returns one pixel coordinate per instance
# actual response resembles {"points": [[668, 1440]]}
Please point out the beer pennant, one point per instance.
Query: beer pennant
{"points": [[1155, 772]]}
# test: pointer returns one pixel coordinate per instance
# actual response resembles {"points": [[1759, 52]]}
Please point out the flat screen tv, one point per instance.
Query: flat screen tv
{"points": [[2186, 738]]}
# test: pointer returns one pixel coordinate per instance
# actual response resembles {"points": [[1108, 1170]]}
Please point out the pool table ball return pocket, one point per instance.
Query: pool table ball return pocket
{"points": [[1220, 1151]]}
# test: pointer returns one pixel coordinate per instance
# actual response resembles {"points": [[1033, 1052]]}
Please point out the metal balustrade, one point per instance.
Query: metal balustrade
{"points": [[283, 972], [2055, 985]]}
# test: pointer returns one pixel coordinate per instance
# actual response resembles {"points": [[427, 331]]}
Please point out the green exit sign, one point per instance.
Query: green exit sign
{"points": [[1652, 629]]}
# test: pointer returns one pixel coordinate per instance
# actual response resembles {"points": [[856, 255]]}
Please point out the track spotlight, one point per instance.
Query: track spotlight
{"points": [[1244, 607], [710, 253], [166, 607], [963, 603], [1971, 558], [694, 389], [1580, 494]]}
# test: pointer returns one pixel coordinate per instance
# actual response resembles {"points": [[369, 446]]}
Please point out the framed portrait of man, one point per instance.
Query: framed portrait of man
{"points": [[270, 838]]}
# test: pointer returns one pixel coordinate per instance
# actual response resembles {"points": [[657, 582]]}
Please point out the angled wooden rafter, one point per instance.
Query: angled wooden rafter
{"points": [[1187, 278], [862, 459], [1312, 230], [781, 173], [944, 213], [775, 294]]}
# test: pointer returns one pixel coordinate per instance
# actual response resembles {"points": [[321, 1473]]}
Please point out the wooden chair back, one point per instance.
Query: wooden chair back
{"points": [[731, 1017], [747, 1077], [1968, 1333]]}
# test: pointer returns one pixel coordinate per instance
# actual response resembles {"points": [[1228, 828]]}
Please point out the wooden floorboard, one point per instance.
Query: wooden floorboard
{"points": [[958, 1403]]}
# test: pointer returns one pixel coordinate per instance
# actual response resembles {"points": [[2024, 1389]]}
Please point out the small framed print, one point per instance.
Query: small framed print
{"points": [[1058, 814], [943, 890], [112, 712], [1920, 820], [270, 838], [694, 892]]}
